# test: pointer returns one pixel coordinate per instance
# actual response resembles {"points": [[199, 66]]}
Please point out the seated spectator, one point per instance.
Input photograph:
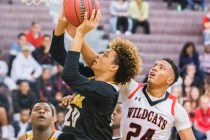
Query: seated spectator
{"points": [[61, 88], [205, 59], [119, 10], [25, 67], [16, 48], [207, 87], [194, 97], [202, 114], [59, 124], [198, 134], [34, 36], [188, 55], [4, 79], [23, 125], [188, 82], [176, 91], [116, 118], [182, 3], [192, 4], [206, 27], [192, 72], [22, 98], [41, 54], [46, 88], [139, 12]]}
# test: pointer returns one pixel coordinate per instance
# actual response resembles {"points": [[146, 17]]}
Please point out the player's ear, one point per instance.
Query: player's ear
{"points": [[114, 67], [170, 80]]}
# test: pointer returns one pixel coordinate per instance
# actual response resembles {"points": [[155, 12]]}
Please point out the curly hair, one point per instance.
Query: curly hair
{"points": [[127, 58]]}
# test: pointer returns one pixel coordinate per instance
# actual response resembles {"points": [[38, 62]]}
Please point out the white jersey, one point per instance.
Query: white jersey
{"points": [[147, 118]]}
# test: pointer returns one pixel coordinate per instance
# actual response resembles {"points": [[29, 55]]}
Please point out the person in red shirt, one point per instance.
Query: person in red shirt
{"points": [[34, 36], [206, 27], [202, 114]]}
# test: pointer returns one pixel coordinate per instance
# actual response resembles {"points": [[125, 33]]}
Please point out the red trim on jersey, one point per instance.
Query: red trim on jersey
{"points": [[173, 104], [134, 92]]}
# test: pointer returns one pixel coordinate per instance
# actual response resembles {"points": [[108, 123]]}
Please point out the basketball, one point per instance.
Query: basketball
{"points": [[74, 10]]}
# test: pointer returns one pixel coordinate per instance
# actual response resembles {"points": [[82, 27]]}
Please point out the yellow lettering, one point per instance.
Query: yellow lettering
{"points": [[78, 100]]}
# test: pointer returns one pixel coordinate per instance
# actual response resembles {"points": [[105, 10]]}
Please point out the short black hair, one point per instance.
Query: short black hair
{"points": [[41, 101], [46, 36], [20, 35], [34, 23], [174, 67]]}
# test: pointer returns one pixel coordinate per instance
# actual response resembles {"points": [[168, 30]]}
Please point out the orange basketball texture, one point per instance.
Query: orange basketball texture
{"points": [[74, 10]]}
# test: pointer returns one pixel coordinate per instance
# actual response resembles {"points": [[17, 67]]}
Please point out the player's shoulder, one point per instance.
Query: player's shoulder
{"points": [[29, 134], [56, 133], [131, 88]]}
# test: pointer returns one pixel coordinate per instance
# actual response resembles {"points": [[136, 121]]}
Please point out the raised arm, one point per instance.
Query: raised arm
{"points": [[87, 52], [71, 75], [57, 49]]}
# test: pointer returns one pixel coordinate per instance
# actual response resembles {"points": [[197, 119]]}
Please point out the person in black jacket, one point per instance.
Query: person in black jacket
{"points": [[23, 98], [89, 115]]}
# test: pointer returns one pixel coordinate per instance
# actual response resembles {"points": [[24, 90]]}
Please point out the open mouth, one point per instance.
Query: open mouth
{"points": [[152, 74], [41, 117]]}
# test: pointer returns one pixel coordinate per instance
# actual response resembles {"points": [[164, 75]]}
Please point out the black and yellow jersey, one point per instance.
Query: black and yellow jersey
{"points": [[54, 135]]}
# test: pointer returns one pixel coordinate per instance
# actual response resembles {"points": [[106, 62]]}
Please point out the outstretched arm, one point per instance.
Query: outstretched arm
{"points": [[186, 134], [57, 49]]}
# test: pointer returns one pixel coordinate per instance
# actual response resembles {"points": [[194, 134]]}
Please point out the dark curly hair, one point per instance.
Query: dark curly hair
{"points": [[185, 47], [127, 58]]}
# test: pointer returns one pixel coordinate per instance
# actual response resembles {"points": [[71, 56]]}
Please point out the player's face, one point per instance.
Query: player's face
{"points": [[161, 74], [41, 116], [105, 62], [116, 116]]}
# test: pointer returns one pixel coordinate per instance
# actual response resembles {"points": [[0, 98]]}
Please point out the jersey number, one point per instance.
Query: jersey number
{"points": [[147, 136], [71, 116]]}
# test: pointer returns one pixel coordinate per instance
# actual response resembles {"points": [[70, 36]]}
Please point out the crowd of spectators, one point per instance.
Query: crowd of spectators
{"points": [[31, 74]]}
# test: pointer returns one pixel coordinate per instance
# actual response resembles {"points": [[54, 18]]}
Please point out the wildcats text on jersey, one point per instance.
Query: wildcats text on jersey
{"points": [[150, 116]]}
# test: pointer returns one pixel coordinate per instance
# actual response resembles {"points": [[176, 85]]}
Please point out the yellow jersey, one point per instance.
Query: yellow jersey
{"points": [[54, 135]]}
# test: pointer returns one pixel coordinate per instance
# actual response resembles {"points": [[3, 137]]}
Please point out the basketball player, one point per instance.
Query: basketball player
{"points": [[159, 110], [89, 114], [116, 118], [42, 119], [29, 134], [149, 111]]}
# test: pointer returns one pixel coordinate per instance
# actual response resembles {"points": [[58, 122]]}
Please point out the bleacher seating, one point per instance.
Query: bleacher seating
{"points": [[170, 30], [16, 18]]}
